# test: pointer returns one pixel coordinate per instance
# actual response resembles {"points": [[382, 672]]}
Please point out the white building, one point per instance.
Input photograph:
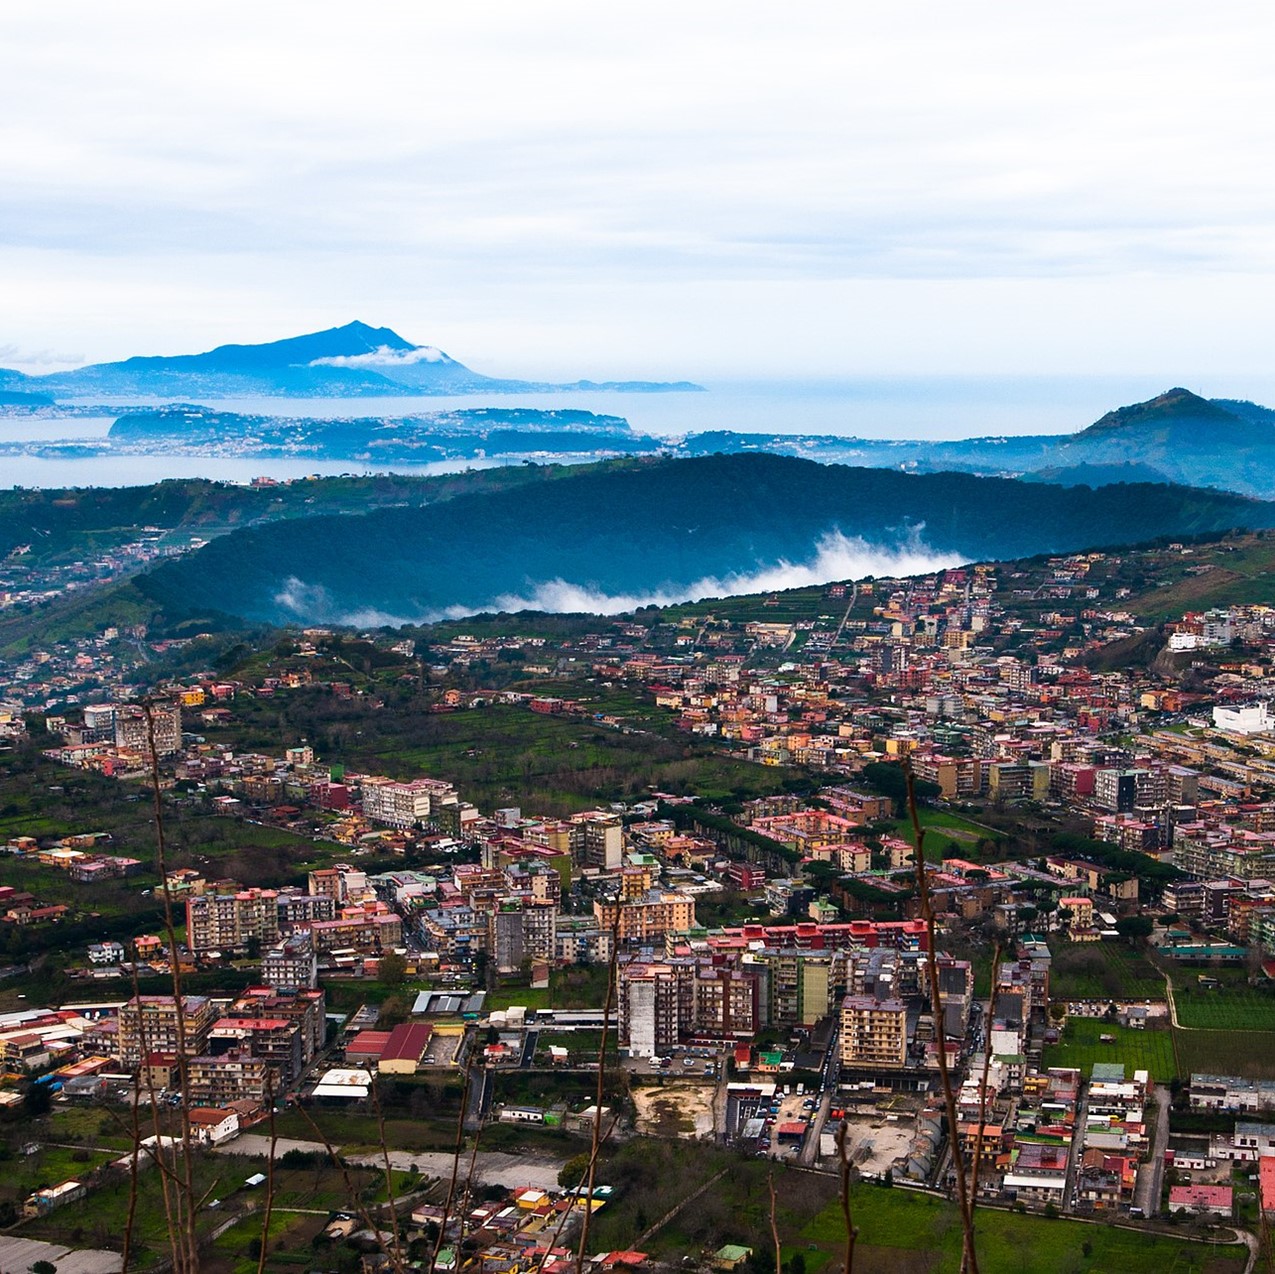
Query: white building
{"points": [[1253, 718]]}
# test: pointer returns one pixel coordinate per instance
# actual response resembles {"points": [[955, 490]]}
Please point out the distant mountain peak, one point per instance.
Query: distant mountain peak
{"points": [[353, 360], [1170, 408]]}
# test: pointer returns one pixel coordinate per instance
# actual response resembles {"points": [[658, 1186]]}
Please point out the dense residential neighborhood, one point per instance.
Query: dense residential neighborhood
{"points": [[774, 973]]}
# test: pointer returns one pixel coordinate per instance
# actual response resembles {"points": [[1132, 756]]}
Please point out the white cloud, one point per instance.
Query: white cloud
{"points": [[384, 356], [572, 189], [835, 557]]}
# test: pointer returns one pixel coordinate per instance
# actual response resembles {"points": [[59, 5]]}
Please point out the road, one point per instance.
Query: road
{"points": [[511, 1171], [854, 596], [827, 1091], [1077, 1149], [1146, 1193]]}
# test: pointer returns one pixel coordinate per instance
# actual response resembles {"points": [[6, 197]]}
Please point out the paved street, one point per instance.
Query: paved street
{"points": [[1146, 1194], [511, 1171], [1077, 1148]]}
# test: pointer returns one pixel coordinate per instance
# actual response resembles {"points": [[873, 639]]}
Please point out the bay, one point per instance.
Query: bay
{"points": [[867, 407]]}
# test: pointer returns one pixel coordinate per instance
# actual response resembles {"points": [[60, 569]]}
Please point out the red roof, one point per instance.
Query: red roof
{"points": [[1267, 1167], [368, 1043], [795, 1129], [1214, 1198], [407, 1042]]}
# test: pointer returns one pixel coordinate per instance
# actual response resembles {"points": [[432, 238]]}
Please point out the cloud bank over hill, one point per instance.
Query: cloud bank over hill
{"points": [[834, 557]]}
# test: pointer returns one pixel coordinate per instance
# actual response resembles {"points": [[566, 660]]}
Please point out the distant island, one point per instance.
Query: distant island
{"points": [[422, 438], [1177, 437], [354, 361]]}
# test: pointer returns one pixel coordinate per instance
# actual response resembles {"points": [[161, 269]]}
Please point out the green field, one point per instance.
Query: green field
{"points": [[947, 835], [504, 754], [1102, 971], [1226, 1009], [1249, 1053], [900, 1231], [97, 1220], [1081, 1047], [904, 1232]]}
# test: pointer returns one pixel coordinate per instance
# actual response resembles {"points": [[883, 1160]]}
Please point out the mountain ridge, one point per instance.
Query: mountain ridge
{"points": [[655, 528], [353, 360]]}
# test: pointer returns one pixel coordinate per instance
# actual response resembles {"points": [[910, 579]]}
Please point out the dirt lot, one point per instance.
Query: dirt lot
{"points": [[874, 1145], [677, 1109]]}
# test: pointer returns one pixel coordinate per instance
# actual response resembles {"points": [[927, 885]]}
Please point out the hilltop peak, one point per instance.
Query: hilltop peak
{"points": [[1174, 406]]}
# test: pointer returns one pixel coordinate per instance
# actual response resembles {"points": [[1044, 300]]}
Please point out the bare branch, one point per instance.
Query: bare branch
{"points": [[456, 1153], [596, 1144], [396, 1237], [274, 1138], [843, 1168], [185, 1197], [982, 1090], [969, 1258], [774, 1227]]}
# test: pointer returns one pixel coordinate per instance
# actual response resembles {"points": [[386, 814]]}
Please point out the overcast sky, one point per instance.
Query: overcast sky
{"points": [[613, 189]]}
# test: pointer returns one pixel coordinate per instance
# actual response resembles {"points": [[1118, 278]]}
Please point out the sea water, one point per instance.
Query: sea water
{"points": [[882, 407]]}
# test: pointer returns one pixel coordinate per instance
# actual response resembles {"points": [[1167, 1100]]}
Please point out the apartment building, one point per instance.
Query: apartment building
{"points": [[874, 1033], [650, 1008], [153, 1024], [277, 1040], [133, 728], [219, 1080], [521, 929], [292, 964], [801, 984], [304, 1007], [299, 910], [368, 932], [648, 917], [597, 840], [230, 922], [405, 805], [726, 1002]]}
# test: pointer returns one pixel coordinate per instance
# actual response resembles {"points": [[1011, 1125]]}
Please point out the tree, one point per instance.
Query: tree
{"points": [[37, 1101], [1135, 928], [573, 1170], [391, 969]]}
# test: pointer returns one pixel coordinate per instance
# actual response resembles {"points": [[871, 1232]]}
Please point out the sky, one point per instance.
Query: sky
{"points": [[701, 190]]}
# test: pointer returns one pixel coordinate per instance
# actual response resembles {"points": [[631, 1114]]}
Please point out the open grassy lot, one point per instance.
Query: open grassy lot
{"points": [[899, 1230], [1237, 1008], [1249, 1053], [49, 1166], [947, 835], [1081, 1046], [93, 1125], [288, 1243], [98, 1219], [654, 1175], [500, 753], [1102, 971], [528, 997], [355, 1131], [902, 1231]]}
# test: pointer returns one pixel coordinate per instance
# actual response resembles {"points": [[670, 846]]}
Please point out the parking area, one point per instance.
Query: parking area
{"points": [[702, 1062], [771, 1121]]}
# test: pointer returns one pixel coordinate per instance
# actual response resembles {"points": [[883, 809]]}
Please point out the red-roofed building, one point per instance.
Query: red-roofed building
{"points": [[1267, 1169], [212, 1125], [405, 1048], [620, 1260], [366, 1047], [1196, 1200]]}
